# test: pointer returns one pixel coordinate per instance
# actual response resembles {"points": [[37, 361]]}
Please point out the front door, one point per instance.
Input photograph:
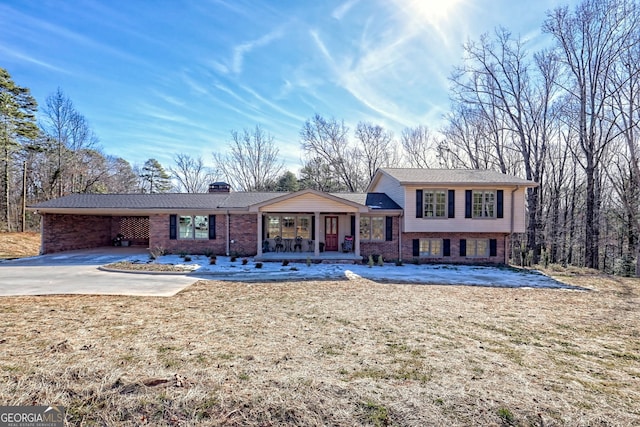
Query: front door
{"points": [[331, 233]]}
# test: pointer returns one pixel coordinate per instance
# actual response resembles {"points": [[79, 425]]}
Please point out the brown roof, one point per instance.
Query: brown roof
{"points": [[454, 176]]}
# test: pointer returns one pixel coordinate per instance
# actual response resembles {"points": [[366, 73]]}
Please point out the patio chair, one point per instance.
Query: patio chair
{"points": [[347, 245], [279, 245], [298, 244]]}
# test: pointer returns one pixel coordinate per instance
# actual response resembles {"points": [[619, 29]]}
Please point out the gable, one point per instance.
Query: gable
{"points": [[311, 202]]}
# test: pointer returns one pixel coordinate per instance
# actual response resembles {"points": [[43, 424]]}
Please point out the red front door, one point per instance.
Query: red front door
{"points": [[331, 233]]}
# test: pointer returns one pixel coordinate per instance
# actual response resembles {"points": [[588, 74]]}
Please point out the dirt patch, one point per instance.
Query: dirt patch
{"points": [[19, 245], [330, 353]]}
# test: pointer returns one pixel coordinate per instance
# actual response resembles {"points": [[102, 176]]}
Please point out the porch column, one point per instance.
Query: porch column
{"points": [[357, 235], [259, 239], [316, 242]]}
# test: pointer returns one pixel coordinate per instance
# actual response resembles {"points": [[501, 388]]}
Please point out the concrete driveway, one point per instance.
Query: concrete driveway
{"points": [[76, 272]]}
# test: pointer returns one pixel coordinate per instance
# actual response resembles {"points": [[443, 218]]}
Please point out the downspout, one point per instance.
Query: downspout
{"points": [[228, 234], [400, 223], [513, 203]]}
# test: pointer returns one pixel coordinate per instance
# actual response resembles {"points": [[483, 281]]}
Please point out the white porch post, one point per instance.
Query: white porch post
{"points": [[260, 221], [316, 243], [357, 235]]}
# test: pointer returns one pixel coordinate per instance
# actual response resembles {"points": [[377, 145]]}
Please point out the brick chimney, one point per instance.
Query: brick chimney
{"points": [[219, 187]]}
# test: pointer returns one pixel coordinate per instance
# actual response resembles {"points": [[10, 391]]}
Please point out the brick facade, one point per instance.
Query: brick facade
{"points": [[388, 249], [159, 238], [501, 240], [68, 232]]}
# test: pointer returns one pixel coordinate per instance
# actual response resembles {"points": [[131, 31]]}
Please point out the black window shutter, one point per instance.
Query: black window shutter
{"points": [[452, 203], [353, 225], [493, 247], [419, 207], [463, 247], [468, 201], [416, 247], [500, 203], [446, 247], [389, 229], [173, 228], [212, 227], [313, 227]]}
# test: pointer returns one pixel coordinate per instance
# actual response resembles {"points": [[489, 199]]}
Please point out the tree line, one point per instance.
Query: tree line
{"points": [[565, 116]]}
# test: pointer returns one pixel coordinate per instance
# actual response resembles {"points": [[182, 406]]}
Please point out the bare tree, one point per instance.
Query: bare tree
{"points": [[328, 140], [419, 146], [589, 40], [191, 174], [252, 162], [377, 146]]}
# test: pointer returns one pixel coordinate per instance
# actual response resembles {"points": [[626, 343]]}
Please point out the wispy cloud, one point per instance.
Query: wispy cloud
{"points": [[340, 11], [243, 49], [27, 58]]}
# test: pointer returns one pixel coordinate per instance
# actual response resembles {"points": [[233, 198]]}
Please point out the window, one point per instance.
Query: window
{"points": [[193, 227], [372, 228], [478, 248], [484, 204], [430, 247], [288, 227], [435, 202]]}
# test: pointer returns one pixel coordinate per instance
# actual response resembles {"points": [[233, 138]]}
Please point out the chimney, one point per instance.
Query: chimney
{"points": [[219, 187]]}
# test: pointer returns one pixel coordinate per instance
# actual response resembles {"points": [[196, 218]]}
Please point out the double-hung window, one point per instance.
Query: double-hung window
{"points": [[430, 247], [478, 248], [372, 228], [484, 203], [193, 227], [435, 203], [288, 226]]}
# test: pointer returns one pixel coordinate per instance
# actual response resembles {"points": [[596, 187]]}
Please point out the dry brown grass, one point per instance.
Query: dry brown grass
{"points": [[19, 245], [330, 353]]}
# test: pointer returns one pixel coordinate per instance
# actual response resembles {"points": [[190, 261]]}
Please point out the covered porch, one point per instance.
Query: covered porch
{"points": [[332, 257], [309, 224]]}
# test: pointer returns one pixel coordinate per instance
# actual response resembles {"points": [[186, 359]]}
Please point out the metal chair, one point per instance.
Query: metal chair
{"points": [[298, 244], [279, 246]]}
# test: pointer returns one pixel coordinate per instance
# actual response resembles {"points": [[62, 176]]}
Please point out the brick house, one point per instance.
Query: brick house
{"points": [[434, 215]]}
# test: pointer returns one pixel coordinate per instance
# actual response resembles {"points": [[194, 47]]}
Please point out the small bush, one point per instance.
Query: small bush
{"points": [[370, 263], [294, 269], [187, 258], [507, 416], [208, 253], [308, 261], [380, 261], [258, 264], [399, 263], [416, 261], [156, 252], [234, 258], [213, 260], [624, 266], [285, 262], [245, 261]]}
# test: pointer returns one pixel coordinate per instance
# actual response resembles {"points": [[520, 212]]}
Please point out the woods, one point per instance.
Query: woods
{"points": [[564, 115]]}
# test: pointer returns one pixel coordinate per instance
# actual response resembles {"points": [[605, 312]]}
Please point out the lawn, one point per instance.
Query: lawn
{"points": [[333, 352], [18, 245]]}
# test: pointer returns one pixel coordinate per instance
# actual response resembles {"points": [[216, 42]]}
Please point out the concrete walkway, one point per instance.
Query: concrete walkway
{"points": [[76, 272]]}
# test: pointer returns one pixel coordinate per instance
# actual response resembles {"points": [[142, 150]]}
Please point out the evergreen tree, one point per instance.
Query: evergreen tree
{"points": [[287, 182], [17, 125], [154, 178]]}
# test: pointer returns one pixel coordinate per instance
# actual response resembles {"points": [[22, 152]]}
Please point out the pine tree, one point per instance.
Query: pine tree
{"points": [[155, 178], [17, 124]]}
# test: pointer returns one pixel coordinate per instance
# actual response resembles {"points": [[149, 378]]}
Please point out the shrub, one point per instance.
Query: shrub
{"points": [[258, 264], [156, 252], [624, 266], [285, 262], [308, 261], [370, 263], [234, 258], [208, 253], [245, 261], [399, 263], [187, 258], [293, 269], [416, 261], [212, 260], [380, 261]]}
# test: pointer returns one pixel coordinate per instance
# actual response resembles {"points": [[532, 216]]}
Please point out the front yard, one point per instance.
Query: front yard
{"points": [[337, 352]]}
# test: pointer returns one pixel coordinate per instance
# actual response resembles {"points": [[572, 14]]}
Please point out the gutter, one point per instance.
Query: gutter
{"points": [[228, 240], [400, 230]]}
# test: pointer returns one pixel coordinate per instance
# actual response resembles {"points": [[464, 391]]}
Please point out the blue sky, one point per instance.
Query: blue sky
{"points": [[160, 77]]}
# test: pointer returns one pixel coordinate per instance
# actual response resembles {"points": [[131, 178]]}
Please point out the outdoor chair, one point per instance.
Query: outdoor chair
{"points": [[347, 245], [298, 244], [279, 245]]}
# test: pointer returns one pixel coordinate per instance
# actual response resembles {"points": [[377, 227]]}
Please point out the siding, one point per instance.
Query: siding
{"points": [[391, 187], [308, 203], [460, 223]]}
